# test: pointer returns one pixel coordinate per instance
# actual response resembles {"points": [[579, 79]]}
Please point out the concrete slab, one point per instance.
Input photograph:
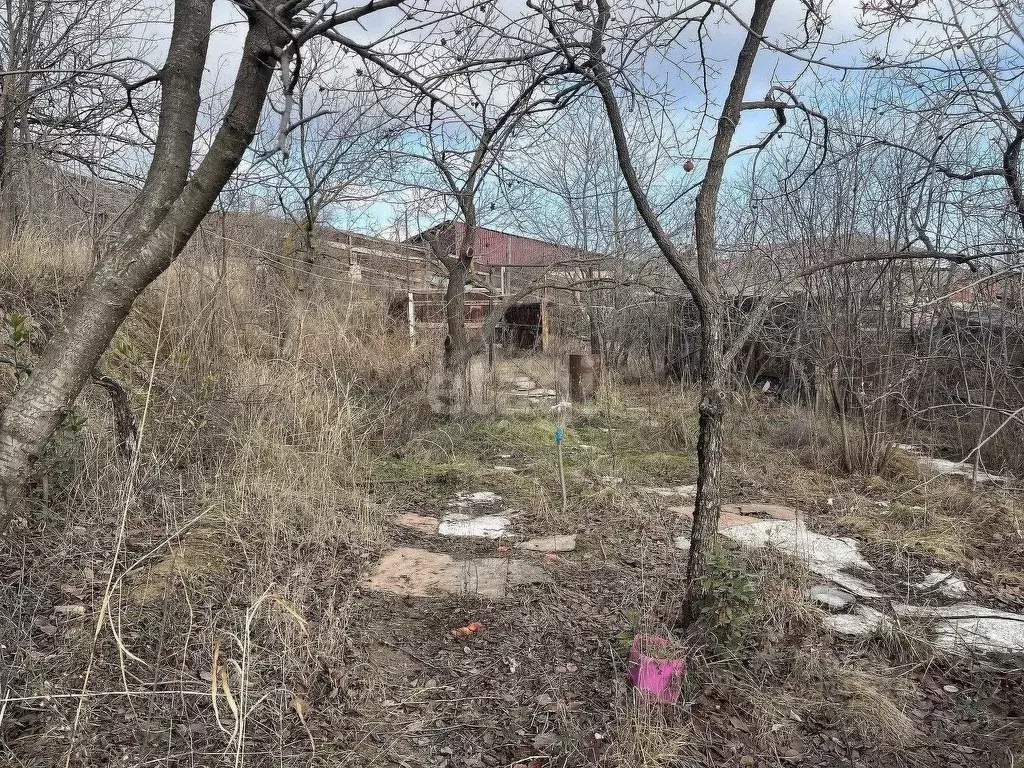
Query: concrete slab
{"points": [[494, 576], [831, 598], [825, 555], [745, 513], [863, 620], [796, 539], [757, 509], [966, 626], [484, 526], [465, 499], [726, 519], [420, 523], [554, 543], [670, 492], [852, 584], [944, 583], [412, 572], [947, 467]]}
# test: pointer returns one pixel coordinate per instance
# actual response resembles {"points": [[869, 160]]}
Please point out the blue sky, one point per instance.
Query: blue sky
{"points": [[840, 45]]}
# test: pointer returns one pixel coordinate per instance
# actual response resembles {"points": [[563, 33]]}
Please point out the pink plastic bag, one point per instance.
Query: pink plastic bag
{"points": [[661, 678]]}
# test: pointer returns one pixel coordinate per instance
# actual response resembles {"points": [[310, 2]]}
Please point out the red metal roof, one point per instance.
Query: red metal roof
{"points": [[501, 249]]}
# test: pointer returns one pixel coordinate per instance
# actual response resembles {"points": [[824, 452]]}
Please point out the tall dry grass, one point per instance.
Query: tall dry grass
{"points": [[217, 565]]}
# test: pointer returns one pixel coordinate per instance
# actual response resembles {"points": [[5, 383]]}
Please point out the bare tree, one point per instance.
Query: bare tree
{"points": [[340, 156], [174, 199], [463, 147], [607, 46], [63, 68], [958, 78], [948, 103], [582, 201]]}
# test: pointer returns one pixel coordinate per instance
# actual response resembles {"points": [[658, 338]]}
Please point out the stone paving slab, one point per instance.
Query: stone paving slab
{"points": [[412, 572]]}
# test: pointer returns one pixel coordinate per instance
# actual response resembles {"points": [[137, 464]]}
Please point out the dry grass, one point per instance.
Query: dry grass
{"points": [[916, 529], [646, 738], [870, 701], [875, 702], [273, 455]]}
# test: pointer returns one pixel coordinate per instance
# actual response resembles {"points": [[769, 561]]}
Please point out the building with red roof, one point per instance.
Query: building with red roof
{"points": [[493, 248]]}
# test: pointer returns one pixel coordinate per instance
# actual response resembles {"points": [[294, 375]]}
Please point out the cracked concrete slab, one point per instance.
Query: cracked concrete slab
{"points": [[966, 626], [757, 509], [412, 572], [862, 620], [555, 543], [825, 555], [484, 527], [944, 583]]}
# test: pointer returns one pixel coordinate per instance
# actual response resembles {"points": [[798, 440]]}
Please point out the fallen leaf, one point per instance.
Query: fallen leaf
{"points": [[738, 724], [301, 707], [543, 741], [469, 629], [70, 610]]}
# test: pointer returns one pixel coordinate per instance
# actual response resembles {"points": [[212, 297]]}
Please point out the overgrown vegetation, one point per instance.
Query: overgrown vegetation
{"points": [[204, 606]]}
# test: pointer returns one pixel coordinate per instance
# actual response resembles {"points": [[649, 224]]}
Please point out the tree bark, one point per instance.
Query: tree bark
{"points": [[697, 614], [126, 425], [7, 120], [454, 394], [170, 211], [704, 287], [708, 502], [299, 263]]}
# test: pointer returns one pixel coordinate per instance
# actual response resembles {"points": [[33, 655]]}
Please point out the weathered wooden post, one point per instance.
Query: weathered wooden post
{"points": [[584, 376], [545, 329]]}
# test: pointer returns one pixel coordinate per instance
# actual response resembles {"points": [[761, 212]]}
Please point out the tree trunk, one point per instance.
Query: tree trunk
{"points": [[7, 120], [299, 264], [697, 614], [704, 287], [454, 394], [169, 214], [710, 451]]}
